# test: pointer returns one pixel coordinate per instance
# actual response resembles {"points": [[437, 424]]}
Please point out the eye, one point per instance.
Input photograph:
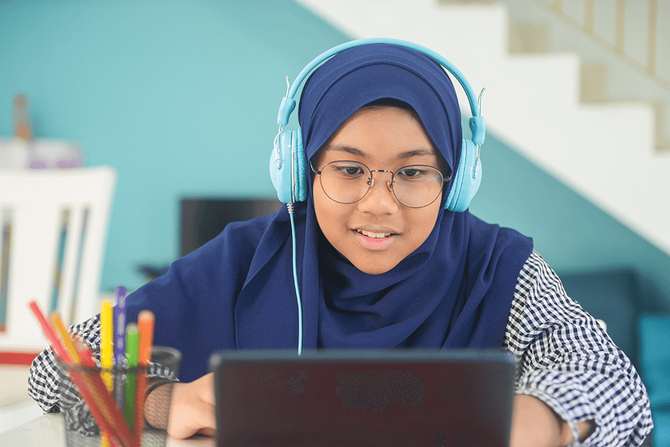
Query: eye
{"points": [[412, 173], [348, 170]]}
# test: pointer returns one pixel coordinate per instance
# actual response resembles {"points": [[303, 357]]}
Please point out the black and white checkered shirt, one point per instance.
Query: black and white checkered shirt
{"points": [[564, 358]]}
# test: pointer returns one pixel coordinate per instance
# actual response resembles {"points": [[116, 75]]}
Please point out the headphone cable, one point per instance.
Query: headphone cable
{"points": [[289, 207]]}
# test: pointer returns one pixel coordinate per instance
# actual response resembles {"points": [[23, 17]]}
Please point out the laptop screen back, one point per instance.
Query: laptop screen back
{"points": [[363, 398]]}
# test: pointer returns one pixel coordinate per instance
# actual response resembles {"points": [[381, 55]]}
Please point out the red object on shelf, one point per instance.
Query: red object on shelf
{"points": [[17, 358]]}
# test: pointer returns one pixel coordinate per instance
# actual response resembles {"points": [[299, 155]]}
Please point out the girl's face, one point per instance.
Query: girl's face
{"points": [[377, 232]]}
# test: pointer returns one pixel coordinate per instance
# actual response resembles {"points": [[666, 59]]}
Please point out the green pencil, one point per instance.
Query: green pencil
{"points": [[132, 350]]}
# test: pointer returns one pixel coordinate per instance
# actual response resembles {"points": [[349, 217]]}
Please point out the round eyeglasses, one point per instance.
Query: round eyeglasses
{"points": [[414, 186]]}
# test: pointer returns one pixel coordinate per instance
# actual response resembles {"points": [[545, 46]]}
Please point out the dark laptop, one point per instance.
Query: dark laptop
{"points": [[363, 398]]}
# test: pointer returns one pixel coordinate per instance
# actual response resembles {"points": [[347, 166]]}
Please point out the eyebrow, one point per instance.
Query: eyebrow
{"points": [[401, 156], [347, 149], [417, 153]]}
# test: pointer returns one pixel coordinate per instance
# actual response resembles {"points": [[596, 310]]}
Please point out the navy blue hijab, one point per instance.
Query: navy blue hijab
{"points": [[237, 292], [456, 289]]}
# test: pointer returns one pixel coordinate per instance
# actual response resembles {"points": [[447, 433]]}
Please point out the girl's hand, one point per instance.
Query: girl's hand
{"points": [[192, 409], [535, 424]]}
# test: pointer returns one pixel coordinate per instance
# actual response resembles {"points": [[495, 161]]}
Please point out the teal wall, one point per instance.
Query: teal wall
{"points": [[572, 234], [180, 97]]}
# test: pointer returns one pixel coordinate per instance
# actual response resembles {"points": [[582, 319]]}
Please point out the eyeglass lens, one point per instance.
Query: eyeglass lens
{"points": [[414, 186]]}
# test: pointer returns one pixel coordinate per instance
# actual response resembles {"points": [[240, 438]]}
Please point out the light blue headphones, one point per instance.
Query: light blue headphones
{"points": [[287, 162]]}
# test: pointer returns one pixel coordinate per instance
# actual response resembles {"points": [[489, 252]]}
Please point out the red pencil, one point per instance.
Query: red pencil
{"points": [[49, 333], [79, 379], [114, 420]]}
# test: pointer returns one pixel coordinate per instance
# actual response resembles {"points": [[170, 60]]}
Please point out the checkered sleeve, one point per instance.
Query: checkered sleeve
{"points": [[46, 381], [568, 361]]}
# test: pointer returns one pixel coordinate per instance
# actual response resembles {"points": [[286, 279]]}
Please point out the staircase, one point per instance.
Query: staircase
{"points": [[603, 150]]}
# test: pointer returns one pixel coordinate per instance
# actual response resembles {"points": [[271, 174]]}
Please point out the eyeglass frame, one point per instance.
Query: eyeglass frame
{"points": [[370, 181]]}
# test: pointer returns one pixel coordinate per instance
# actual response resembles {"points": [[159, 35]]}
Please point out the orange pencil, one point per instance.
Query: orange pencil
{"points": [[145, 324], [64, 336]]}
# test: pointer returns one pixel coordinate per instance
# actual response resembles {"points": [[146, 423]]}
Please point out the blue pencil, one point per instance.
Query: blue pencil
{"points": [[120, 344]]}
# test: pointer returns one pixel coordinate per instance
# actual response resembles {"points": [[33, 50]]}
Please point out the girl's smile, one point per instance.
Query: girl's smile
{"points": [[376, 240]]}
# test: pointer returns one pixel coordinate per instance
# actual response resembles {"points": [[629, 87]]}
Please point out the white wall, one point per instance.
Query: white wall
{"points": [[603, 151]]}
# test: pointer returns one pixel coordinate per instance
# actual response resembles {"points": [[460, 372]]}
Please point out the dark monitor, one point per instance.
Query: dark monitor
{"points": [[363, 398], [203, 219]]}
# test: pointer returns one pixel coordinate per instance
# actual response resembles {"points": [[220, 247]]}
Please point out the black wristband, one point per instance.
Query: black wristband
{"points": [[157, 384]]}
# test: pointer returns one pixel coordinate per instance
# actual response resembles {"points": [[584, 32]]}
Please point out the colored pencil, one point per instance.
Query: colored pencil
{"points": [[120, 344], [120, 327], [77, 377], [106, 347], [106, 350], [145, 324], [116, 427], [64, 334], [49, 332], [132, 348]]}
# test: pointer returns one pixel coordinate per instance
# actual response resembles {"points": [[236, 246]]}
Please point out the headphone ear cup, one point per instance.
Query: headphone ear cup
{"points": [[281, 166], [286, 162], [467, 180], [300, 193]]}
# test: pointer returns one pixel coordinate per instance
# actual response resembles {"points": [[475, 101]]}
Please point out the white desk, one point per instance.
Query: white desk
{"points": [[48, 430]]}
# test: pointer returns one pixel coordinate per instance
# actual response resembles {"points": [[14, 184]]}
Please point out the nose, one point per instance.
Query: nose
{"points": [[380, 198]]}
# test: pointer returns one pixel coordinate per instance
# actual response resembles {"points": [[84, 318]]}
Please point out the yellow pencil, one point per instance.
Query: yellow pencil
{"points": [[106, 349]]}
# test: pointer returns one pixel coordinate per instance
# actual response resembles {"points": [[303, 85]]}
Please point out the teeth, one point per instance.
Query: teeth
{"points": [[374, 235]]}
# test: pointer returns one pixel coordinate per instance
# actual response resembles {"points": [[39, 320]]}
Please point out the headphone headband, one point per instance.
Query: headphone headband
{"points": [[477, 124], [287, 161]]}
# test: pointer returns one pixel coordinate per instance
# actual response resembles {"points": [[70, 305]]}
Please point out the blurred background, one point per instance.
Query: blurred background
{"points": [[180, 98]]}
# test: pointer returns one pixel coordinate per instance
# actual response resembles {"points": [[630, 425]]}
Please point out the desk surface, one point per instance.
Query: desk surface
{"points": [[48, 430]]}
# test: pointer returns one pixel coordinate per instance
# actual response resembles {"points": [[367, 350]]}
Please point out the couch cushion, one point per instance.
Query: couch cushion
{"points": [[655, 359], [612, 297]]}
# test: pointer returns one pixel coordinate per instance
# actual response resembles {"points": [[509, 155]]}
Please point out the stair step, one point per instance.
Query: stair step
{"points": [[528, 38], [594, 82], [451, 2]]}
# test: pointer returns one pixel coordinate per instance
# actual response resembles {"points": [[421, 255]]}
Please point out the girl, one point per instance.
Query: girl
{"points": [[381, 264]]}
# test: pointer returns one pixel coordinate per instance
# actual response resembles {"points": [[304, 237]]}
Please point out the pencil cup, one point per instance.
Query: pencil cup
{"points": [[122, 407]]}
